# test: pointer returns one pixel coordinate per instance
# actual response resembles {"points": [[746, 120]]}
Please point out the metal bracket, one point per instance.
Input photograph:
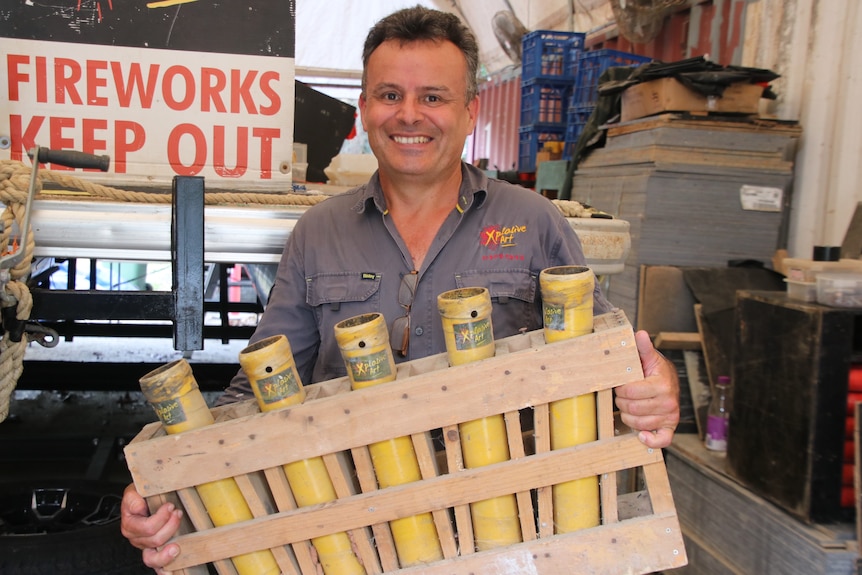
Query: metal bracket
{"points": [[183, 305]]}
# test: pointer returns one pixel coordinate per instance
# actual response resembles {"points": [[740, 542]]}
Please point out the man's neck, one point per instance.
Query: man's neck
{"points": [[407, 194], [418, 209]]}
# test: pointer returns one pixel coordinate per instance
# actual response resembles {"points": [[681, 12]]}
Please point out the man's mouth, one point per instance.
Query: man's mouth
{"points": [[411, 139]]}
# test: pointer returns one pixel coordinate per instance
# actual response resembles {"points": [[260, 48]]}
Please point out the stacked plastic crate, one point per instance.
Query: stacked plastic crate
{"points": [[586, 68], [546, 90]]}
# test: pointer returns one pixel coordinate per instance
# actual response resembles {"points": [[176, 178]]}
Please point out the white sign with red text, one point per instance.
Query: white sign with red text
{"points": [[156, 113]]}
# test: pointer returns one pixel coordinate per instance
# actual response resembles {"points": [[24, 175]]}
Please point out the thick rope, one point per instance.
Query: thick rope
{"points": [[15, 183], [14, 174]]}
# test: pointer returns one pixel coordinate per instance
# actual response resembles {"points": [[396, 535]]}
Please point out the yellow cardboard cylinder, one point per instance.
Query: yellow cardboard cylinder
{"points": [[271, 371], [364, 344], [469, 336], [567, 301], [177, 400], [467, 330], [495, 520]]}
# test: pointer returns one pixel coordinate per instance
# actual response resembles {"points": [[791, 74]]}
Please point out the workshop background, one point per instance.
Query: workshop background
{"points": [[734, 204]]}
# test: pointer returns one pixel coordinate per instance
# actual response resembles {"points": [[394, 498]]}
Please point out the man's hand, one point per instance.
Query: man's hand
{"points": [[651, 406], [150, 532]]}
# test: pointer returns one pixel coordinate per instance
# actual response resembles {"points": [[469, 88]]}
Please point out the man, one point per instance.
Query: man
{"points": [[425, 223]]}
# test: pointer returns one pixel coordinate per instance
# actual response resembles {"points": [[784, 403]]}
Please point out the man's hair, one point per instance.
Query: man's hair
{"points": [[420, 23]]}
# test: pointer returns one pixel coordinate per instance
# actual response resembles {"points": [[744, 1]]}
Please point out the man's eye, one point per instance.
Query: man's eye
{"points": [[433, 98], [390, 96]]}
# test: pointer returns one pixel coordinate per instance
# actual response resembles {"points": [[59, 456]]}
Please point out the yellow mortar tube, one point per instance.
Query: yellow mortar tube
{"points": [[567, 301], [174, 394], [467, 330], [364, 344], [271, 371]]}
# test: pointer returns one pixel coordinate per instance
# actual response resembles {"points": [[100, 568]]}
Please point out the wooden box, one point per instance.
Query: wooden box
{"points": [[788, 418], [639, 531], [670, 95]]}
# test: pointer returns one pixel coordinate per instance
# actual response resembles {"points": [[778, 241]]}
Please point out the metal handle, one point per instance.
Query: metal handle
{"points": [[71, 158]]}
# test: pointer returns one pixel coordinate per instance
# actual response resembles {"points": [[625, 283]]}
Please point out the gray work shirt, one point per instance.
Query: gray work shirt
{"points": [[345, 258]]}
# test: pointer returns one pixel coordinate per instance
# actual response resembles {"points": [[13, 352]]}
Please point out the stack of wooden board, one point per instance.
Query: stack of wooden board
{"points": [[696, 190]]}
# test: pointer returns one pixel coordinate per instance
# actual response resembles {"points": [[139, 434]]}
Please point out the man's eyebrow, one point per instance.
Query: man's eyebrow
{"points": [[384, 86]]}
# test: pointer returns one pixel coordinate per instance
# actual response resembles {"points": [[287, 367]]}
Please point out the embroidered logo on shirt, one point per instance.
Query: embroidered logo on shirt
{"points": [[369, 276], [497, 238]]}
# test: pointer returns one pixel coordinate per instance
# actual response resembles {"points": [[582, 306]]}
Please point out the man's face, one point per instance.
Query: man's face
{"points": [[414, 108]]}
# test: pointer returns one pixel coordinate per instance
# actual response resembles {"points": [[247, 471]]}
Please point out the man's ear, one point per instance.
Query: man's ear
{"points": [[362, 104], [473, 112]]}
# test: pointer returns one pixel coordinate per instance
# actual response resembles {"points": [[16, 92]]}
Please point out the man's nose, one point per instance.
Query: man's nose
{"points": [[409, 111]]}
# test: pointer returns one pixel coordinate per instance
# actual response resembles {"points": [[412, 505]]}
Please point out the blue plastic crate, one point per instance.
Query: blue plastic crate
{"points": [[579, 113], [545, 104], [577, 118], [591, 65], [545, 54], [531, 141]]}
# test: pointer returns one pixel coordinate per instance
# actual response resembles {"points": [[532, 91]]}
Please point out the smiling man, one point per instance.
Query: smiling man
{"points": [[425, 223]]}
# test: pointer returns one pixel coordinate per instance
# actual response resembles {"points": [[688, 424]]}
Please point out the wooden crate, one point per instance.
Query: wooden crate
{"points": [[791, 371], [639, 533]]}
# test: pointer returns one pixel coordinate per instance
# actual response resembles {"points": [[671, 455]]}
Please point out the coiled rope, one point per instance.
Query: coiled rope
{"points": [[14, 185]]}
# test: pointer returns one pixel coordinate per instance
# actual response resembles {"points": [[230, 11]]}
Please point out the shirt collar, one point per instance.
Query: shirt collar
{"points": [[473, 192]]}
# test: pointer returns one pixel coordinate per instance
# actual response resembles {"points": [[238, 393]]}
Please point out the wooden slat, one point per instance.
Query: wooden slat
{"points": [[197, 514], [746, 159], [658, 488], [284, 501], [698, 383], [255, 492], [724, 124], [455, 464], [607, 481], [651, 543], [382, 533], [149, 431], [462, 488], [156, 501], [340, 472], [678, 340], [424, 448], [526, 514], [544, 495], [716, 360]]}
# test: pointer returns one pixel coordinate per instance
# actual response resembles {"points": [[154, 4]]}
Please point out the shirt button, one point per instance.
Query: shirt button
{"points": [[419, 330]]}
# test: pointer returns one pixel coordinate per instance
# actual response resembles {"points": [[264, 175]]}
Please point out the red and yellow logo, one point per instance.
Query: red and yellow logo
{"points": [[498, 237]]}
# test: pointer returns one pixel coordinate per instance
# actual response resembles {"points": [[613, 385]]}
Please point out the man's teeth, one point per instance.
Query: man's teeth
{"points": [[412, 140]]}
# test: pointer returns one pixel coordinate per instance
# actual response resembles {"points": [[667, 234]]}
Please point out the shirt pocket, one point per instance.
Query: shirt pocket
{"points": [[513, 295], [342, 288], [335, 297]]}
